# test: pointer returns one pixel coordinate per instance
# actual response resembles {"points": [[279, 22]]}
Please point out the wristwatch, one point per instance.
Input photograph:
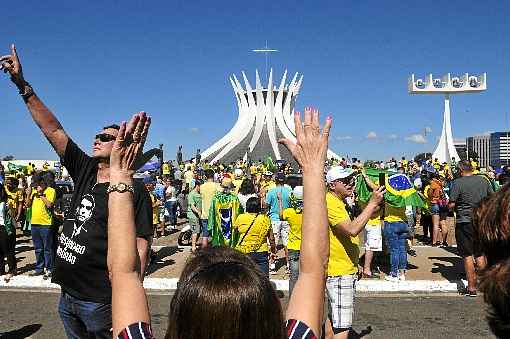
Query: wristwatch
{"points": [[26, 91], [121, 188]]}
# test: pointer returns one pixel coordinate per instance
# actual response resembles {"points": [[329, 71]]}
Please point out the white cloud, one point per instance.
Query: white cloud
{"points": [[428, 129], [393, 137], [371, 135], [194, 130], [343, 137], [417, 138]]}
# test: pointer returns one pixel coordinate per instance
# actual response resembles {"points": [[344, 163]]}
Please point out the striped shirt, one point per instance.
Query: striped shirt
{"points": [[295, 330]]}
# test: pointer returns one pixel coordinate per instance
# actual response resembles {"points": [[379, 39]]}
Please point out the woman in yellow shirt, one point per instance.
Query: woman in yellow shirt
{"points": [[254, 232]]}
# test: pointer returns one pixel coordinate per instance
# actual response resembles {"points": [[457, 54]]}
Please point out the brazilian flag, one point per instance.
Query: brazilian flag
{"points": [[222, 214], [400, 191], [13, 168], [270, 164]]}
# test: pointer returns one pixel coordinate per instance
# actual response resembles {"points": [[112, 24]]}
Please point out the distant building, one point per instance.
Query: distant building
{"points": [[500, 149], [461, 147], [478, 147]]}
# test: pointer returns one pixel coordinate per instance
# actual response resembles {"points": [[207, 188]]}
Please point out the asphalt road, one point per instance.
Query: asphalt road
{"points": [[28, 314]]}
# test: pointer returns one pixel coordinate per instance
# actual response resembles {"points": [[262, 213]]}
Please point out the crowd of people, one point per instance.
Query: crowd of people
{"points": [[240, 214]]}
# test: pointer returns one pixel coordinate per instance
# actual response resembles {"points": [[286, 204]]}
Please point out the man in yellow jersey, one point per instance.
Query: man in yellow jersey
{"points": [[344, 247], [42, 200]]}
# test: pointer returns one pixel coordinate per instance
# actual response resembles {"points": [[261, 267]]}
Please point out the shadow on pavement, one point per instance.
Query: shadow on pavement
{"points": [[159, 260], [354, 335], [24, 332], [452, 272]]}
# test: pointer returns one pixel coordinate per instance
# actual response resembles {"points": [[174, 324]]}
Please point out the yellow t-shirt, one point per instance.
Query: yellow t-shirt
{"points": [[394, 214], [155, 209], [188, 176], [237, 185], [207, 191], [295, 221], [255, 240], [374, 221], [14, 198], [343, 250], [41, 215], [166, 169]]}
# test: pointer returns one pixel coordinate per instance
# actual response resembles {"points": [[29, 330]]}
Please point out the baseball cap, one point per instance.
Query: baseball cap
{"points": [[338, 172], [238, 172], [268, 173]]}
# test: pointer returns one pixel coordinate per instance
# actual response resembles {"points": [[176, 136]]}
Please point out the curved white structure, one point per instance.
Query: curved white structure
{"points": [[265, 115], [445, 150]]}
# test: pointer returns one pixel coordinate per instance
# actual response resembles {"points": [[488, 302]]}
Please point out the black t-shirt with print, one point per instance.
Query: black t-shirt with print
{"points": [[80, 264]]}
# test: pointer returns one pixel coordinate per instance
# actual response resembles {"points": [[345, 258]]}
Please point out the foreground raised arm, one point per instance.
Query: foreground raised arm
{"points": [[129, 302], [307, 300], [43, 117]]}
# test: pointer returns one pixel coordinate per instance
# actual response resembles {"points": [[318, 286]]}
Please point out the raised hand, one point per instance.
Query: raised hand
{"points": [[312, 144], [11, 64], [127, 149]]}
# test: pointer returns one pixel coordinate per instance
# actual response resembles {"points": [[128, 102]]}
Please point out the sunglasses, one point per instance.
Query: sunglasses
{"points": [[347, 181], [104, 137]]}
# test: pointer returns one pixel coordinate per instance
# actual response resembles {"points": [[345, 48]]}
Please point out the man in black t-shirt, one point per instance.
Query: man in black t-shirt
{"points": [[80, 266], [465, 195]]}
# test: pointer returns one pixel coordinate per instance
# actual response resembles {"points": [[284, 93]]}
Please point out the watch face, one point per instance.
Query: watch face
{"points": [[121, 188]]}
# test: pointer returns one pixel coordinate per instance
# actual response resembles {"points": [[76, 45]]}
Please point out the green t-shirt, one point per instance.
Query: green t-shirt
{"points": [[194, 199]]}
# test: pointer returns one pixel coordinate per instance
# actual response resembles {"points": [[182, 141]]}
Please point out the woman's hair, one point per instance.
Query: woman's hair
{"points": [[247, 187], [253, 205], [222, 294], [492, 232]]}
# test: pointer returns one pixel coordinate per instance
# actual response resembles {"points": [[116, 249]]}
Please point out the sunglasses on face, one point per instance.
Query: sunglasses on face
{"points": [[104, 137], [347, 181]]}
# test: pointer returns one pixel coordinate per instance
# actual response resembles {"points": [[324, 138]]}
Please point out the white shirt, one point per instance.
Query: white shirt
{"points": [[2, 207]]}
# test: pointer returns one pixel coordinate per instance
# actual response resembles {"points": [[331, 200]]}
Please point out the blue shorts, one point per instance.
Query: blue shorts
{"points": [[434, 209], [205, 231]]}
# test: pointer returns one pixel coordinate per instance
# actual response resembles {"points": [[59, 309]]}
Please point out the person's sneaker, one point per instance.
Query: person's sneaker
{"points": [[272, 271], [391, 278], [445, 244], [272, 266], [469, 293], [401, 277], [47, 275], [35, 274]]}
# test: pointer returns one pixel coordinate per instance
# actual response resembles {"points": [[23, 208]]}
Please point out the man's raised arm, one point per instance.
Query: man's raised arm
{"points": [[43, 117]]}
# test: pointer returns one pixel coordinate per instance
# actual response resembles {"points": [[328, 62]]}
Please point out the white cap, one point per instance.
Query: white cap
{"points": [[297, 192], [338, 172], [238, 172]]}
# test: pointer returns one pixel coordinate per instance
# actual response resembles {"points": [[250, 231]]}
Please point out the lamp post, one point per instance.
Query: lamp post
{"points": [[447, 85]]}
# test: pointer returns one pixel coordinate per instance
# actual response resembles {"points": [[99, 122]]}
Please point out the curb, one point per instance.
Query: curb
{"points": [[170, 284]]}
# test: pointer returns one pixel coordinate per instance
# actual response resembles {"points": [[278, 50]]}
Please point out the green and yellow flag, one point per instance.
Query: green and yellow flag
{"points": [[399, 189]]}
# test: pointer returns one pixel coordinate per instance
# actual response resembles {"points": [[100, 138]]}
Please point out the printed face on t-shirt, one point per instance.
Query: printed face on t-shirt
{"points": [[85, 209]]}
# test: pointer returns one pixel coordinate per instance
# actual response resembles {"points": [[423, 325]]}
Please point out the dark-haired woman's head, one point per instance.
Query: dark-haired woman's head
{"points": [[247, 187], [222, 294], [253, 205], [492, 232]]}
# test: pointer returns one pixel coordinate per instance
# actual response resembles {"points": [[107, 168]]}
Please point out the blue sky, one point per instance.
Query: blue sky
{"points": [[98, 62]]}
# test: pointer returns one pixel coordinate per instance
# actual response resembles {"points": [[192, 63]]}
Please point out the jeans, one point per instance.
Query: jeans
{"points": [[203, 226], [294, 269], [396, 235], [43, 239], [7, 249], [171, 207], [85, 319], [260, 258]]}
